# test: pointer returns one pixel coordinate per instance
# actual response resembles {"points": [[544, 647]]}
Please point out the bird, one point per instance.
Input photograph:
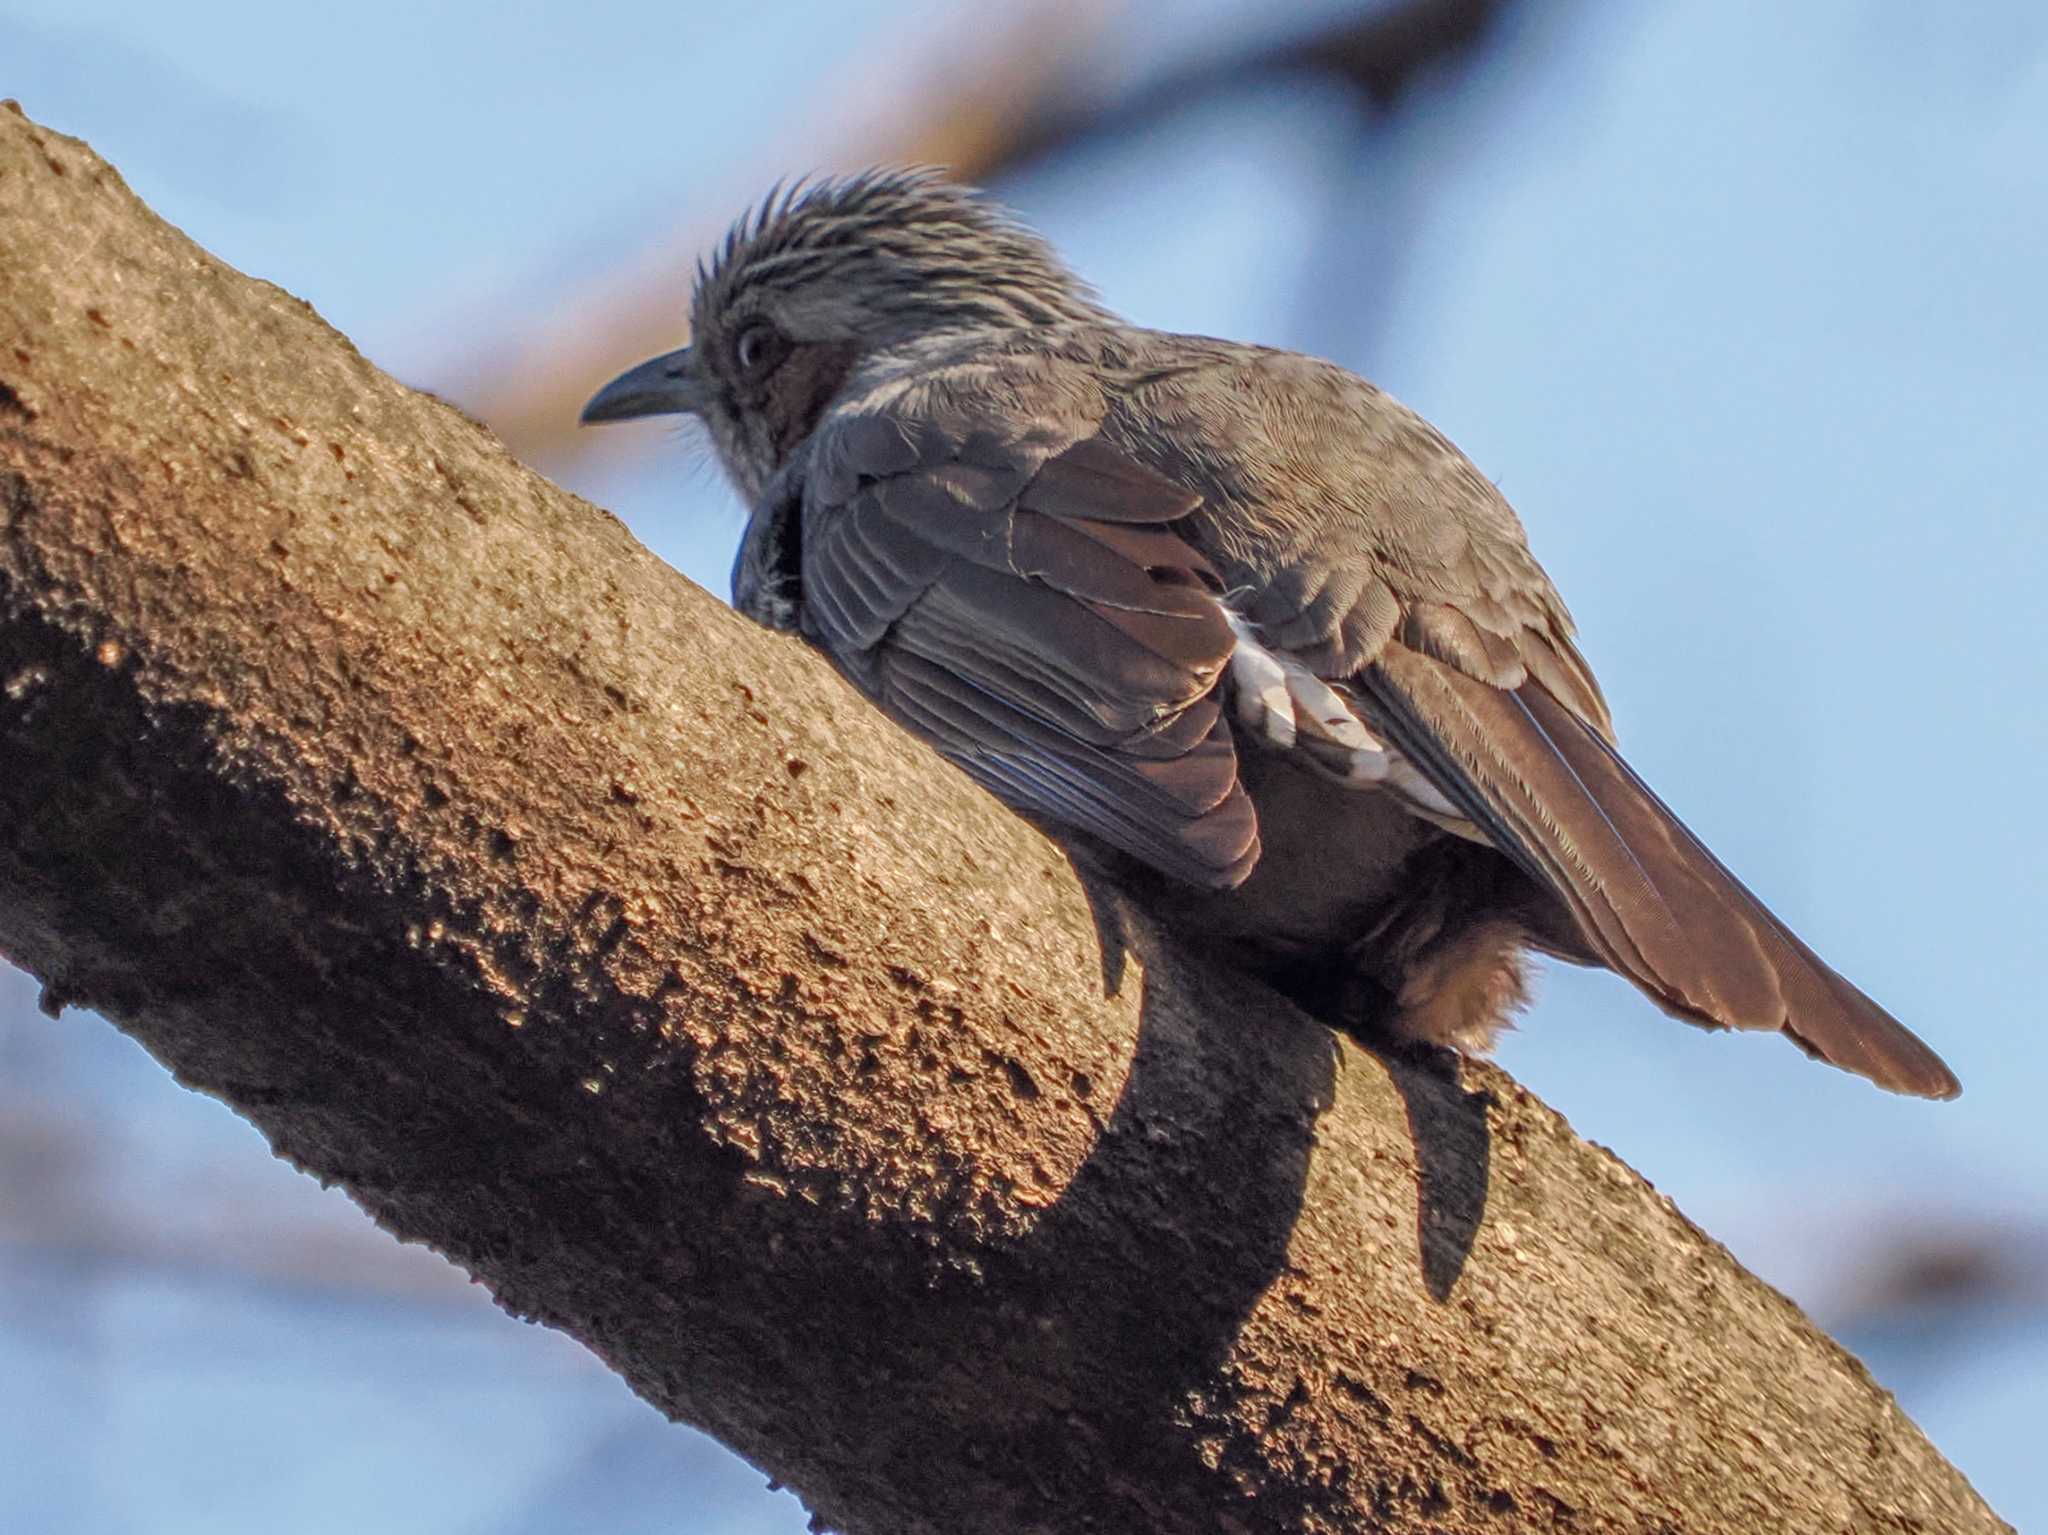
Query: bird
{"points": [[1244, 634]]}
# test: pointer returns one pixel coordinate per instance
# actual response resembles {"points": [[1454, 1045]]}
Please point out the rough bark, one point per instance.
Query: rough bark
{"points": [[621, 953]]}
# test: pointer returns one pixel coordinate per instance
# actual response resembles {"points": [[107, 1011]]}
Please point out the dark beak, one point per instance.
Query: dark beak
{"points": [[661, 386]]}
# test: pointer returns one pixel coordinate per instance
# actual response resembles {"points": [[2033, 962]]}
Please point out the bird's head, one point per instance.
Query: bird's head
{"points": [[823, 277]]}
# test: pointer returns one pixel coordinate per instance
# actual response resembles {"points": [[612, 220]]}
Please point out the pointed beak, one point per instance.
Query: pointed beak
{"points": [[661, 386]]}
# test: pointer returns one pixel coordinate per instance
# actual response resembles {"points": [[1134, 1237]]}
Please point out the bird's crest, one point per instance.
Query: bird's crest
{"points": [[902, 242]]}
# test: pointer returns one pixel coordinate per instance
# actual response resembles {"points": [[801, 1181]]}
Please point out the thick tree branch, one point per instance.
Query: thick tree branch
{"points": [[617, 950]]}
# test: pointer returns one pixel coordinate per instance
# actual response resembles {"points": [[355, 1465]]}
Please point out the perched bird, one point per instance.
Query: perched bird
{"points": [[1231, 623]]}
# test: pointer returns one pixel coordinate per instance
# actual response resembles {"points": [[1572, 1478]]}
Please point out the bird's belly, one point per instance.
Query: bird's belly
{"points": [[1330, 862]]}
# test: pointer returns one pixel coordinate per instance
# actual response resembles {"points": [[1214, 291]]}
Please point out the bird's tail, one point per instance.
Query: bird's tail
{"points": [[1649, 899]]}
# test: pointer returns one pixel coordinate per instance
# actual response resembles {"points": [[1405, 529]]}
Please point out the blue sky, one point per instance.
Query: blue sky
{"points": [[1744, 315]]}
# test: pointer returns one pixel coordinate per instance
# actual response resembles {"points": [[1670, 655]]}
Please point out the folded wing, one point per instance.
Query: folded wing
{"points": [[1026, 606]]}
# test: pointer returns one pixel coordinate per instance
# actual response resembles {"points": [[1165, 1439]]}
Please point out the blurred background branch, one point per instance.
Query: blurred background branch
{"points": [[1025, 84]]}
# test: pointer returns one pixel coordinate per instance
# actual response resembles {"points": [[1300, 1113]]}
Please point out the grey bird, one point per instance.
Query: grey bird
{"points": [[1238, 629]]}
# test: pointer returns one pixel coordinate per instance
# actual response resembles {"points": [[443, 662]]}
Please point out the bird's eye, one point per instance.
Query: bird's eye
{"points": [[757, 349]]}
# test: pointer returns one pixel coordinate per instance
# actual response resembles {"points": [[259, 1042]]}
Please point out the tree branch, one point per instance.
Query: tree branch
{"points": [[617, 950]]}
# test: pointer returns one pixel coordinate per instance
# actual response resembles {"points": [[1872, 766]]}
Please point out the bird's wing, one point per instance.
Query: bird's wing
{"points": [[1019, 597], [1417, 593]]}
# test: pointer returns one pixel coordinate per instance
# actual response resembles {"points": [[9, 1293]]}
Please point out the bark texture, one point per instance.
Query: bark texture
{"points": [[617, 950]]}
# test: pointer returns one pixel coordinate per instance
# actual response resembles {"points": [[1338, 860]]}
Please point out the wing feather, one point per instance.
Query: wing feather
{"points": [[1025, 603]]}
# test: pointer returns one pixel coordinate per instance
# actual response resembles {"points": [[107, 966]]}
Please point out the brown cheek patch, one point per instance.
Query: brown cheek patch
{"points": [[802, 387]]}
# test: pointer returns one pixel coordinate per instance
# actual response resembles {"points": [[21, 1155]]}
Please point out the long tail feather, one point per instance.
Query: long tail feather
{"points": [[1651, 900]]}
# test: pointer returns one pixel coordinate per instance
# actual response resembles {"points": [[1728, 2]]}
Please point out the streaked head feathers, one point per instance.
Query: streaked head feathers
{"points": [[885, 253]]}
